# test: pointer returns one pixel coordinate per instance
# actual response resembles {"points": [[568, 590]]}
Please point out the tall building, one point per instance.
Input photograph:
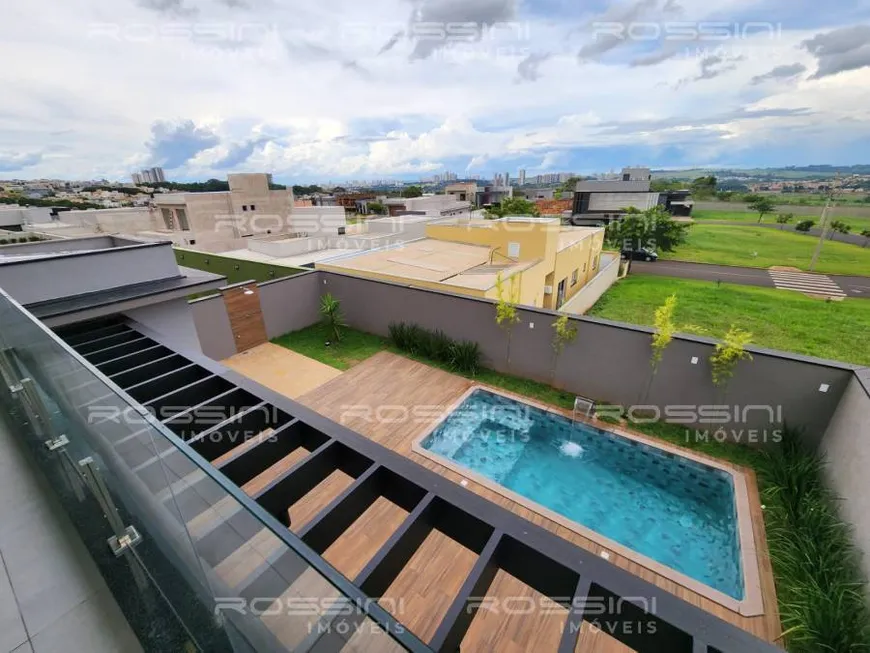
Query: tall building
{"points": [[148, 176], [521, 180], [507, 179], [137, 178], [157, 173]]}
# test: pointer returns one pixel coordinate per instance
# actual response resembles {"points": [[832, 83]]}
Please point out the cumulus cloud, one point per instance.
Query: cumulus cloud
{"points": [[840, 50], [174, 144], [12, 162], [527, 69], [786, 71], [238, 153], [168, 7]]}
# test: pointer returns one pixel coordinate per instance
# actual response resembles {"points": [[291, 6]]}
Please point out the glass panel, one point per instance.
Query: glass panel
{"points": [[198, 567]]}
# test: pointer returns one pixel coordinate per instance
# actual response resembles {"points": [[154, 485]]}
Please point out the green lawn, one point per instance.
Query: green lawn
{"points": [[778, 319], [356, 346], [234, 269], [858, 224], [763, 248]]}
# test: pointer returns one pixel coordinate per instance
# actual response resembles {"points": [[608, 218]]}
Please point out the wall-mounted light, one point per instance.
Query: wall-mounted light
{"points": [[247, 291]]}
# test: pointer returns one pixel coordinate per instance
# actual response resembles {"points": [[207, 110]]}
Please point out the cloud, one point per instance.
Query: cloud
{"points": [[605, 41], [173, 145], [527, 69], [786, 71], [840, 50], [712, 67], [440, 12], [239, 153], [12, 162], [168, 7], [389, 45]]}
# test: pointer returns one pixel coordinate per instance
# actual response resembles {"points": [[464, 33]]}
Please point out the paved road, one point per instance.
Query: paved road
{"points": [[821, 284]]}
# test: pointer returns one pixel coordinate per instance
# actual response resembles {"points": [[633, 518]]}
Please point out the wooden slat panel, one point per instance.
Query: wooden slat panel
{"points": [[246, 316]]}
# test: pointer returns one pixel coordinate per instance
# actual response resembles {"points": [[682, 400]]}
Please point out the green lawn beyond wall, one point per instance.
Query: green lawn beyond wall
{"points": [[235, 270]]}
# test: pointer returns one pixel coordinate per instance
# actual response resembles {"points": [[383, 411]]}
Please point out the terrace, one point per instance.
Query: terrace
{"points": [[215, 487]]}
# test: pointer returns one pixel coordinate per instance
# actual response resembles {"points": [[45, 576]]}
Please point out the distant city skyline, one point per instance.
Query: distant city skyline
{"points": [[320, 96]]}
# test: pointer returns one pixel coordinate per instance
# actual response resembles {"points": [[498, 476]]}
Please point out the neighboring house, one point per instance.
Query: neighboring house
{"points": [[536, 193], [600, 202], [445, 206], [538, 261], [462, 192], [249, 207]]}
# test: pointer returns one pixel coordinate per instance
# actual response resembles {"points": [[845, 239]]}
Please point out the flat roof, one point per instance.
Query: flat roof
{"points": [[572, 235], [439, 261], [295, 261]]}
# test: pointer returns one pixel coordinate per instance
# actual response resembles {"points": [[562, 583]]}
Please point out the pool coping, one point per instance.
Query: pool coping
{"points": [[751, 605]]}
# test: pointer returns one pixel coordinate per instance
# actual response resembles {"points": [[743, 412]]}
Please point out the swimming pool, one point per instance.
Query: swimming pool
{"points": [[666, 508]]}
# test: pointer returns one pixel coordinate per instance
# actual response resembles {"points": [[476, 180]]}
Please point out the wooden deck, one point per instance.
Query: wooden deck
{"points": [[419, 391]]}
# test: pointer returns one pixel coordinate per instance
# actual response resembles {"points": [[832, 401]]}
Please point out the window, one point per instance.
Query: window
{"points": [[167, 218], [513, 250], [595, 262], [244, 207], [253, 208], [574, 276], [181, 215], [584, 268]]}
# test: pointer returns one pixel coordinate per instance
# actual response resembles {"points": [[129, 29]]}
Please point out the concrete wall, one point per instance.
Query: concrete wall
{"points": [[41, 279], [213, 328], [290, 304], [174, 319], [608, 361], [597, 286], [847, 447]]}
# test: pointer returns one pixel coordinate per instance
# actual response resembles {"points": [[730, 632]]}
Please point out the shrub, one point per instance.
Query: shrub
{"points": [[399, 334], [3, 241], [805, 225], [465, 357], [819, 583]]}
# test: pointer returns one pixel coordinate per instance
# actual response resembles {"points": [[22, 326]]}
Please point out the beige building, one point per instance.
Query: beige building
{"points": [[248, 208], [530, 261]]}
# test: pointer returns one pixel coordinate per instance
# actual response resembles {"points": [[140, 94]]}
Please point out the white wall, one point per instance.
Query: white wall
{"points": [[595, 288], [173, 319], [846, 445]]}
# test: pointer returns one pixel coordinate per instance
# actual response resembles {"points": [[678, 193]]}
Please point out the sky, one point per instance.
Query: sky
{"points": [[351, 89]]}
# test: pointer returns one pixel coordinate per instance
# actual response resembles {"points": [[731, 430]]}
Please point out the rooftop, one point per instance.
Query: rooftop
{"points": [[428, 259]]}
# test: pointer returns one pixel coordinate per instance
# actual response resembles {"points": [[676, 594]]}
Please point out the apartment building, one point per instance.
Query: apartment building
{"points": [[249, 207], [530, 261]]}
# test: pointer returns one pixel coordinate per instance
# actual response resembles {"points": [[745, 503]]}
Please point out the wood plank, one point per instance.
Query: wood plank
{"points": [[535, 625], [318, 498], [356, 546], [390, 380], [422, 593]]}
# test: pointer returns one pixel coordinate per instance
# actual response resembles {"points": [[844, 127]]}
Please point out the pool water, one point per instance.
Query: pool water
{"points": [[678, 512]]}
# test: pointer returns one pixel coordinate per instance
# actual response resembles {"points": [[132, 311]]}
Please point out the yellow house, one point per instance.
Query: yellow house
{"points": [[531, 261]]}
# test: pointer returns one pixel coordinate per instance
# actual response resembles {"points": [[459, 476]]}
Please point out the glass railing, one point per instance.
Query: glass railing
{"points": [[194, 564]]}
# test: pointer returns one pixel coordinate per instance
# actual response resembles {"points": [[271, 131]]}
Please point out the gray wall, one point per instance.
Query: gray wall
{"points": [[174, 319], [213, 327], [847, 447], [290, 304], [45, 279], [608, 361]]}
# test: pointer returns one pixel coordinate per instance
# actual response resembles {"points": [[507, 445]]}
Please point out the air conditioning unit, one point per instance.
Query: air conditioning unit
{"points": [[548, 290]]}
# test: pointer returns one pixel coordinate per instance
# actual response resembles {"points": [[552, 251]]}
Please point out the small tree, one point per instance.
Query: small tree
{"points": [[762, 205], [330, 309], [412, 191], [377, 208], [564, 333], [805, 225], [728, 353], [506, 315], [840, 227], [783, 219], [866, 235]]}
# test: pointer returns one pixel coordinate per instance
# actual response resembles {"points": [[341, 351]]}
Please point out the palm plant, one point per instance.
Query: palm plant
{"points": [[330, 309]]}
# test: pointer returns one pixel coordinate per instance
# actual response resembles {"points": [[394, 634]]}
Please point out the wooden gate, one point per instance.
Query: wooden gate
{"points": [[246, 316]]}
